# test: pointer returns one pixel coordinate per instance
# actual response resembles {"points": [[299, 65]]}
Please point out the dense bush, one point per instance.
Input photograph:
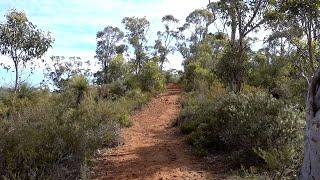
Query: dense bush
{"points": [[248, 125], [113, 90], [196, 77], [151, 77], [278, 77], [172, 76], [53, 135], [227, 66]]}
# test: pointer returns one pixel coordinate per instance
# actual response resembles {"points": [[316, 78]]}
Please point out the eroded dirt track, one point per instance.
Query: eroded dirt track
{"points": [[152, 148]]}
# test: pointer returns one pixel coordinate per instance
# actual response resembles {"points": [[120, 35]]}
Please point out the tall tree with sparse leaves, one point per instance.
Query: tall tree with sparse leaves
{"points": [[107, 47], [22, 41], [299, 22], [107, 40], [194, 31], [163, 44], [137, 29], [242, 17]]}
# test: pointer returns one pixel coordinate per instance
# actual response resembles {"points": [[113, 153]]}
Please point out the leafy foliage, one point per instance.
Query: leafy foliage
{"points": [[152, 78], [22, 41], [136, 35], [163, 44], [61, 69], [239, 124], [59, 132], [248, 104]]}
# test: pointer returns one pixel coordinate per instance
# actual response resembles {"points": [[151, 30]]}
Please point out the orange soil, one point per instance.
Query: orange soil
{"points": [[153, 148]]}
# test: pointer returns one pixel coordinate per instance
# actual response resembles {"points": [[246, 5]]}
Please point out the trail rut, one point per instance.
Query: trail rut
{"points": [[153, 148]]}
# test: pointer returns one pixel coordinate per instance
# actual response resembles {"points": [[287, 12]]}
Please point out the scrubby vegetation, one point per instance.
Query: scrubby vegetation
{"points": [[252, 128], [244, 103], [55, 134], [52, 132], [250, 105]]}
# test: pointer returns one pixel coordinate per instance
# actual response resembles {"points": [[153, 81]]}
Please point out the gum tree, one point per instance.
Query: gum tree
{"points": [[304, 17], [107, 47], [163, 44], [22, 41], [298, 23], [193, 32], [137, 29], [239, 18]]}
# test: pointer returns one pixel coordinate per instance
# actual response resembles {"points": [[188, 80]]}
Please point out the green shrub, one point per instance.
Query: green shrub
{"points": [[283, 162], [117, 88], [11, 103], [242, 123], [79, 85], [197, 77], [137, 98], [52, 135], [133, 82], [113, 90], [151, 77], [172, 76], [117, 70], [124, 120], [50, 139], [228, 67]]}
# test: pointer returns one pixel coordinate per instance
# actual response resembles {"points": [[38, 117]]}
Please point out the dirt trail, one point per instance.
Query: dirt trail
{"points": [[152, 148]]}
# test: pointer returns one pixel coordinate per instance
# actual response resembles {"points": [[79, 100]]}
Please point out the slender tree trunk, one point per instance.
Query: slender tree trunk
{"points": [[240, 63], [161, 66], [237, 78], [236, 24], [233, 27], [16, 87], [310, 49], [162, 59], [311, 162], [105, 74]]}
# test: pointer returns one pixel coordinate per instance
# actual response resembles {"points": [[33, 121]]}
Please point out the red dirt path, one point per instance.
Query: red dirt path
{"points": [[153, 148]]}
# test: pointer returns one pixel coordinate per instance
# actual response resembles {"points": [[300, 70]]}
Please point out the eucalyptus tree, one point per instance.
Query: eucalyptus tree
{"points": [[239, 18], [107, 44], [137, 29], [164, 43], [199, 21], [299, 22], [22, 41], [59, 70], [194, 31], [107, 47]]}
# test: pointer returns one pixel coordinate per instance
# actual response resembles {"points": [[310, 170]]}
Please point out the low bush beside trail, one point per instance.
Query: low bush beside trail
{"points": [[54, 135], [252, 127]]}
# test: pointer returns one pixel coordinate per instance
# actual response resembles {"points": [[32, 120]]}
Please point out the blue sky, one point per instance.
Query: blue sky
{"points": [[74, 23]]}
